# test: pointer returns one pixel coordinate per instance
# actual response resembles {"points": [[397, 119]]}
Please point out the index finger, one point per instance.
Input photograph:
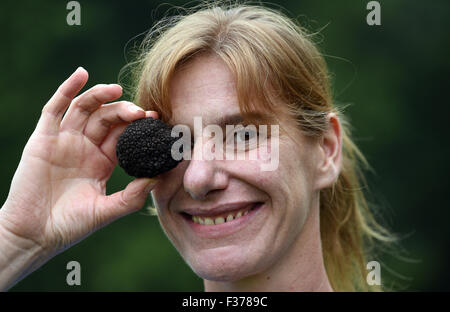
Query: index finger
{"points": [[53, 111]]}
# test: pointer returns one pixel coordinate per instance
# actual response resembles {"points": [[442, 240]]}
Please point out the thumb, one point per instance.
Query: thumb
{"points": [[122, 203]]}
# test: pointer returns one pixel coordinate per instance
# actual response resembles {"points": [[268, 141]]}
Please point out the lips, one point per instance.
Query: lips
{"points": [[211, 230]]}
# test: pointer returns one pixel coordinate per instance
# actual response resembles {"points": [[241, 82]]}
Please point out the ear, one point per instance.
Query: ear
{"points": [[330, 149]]}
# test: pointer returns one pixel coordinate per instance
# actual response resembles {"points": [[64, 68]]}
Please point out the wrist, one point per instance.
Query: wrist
{"points": [[18, 256]]}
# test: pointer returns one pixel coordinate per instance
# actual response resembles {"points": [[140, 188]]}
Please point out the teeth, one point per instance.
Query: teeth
{"points": [[219, 220]]}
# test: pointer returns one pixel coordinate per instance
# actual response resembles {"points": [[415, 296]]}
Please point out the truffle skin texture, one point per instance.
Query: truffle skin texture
{"points": [[144, 148]]}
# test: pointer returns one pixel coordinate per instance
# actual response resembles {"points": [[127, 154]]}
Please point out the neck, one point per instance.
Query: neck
{"points": [[301, 268]]}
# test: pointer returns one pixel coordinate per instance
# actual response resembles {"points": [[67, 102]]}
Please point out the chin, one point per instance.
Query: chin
{"points": [[221, 265]]}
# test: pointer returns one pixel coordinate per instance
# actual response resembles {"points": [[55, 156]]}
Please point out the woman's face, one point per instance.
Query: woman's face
{"points": [[262, 212]]}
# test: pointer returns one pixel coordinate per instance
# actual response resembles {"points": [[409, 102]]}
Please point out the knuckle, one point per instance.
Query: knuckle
{"points": [[46, 109], [104, 122], [96, 97], [120, 111], [102, 115], [60, 91], [83, 109], [92, 93], [125, 104], [123, 202], [98, 87]]}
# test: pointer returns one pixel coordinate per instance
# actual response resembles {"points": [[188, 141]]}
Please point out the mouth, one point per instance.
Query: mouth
{"points": [[223, 223], [223, 217]]}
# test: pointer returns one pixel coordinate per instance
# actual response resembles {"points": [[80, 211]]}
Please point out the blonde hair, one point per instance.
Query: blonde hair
{"points": [[263, 47]]}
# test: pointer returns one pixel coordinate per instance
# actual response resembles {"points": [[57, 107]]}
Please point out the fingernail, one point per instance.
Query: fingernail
{"points": [[134, 108], [77, 70], [151, 184], [150, 113], [116, 85]]}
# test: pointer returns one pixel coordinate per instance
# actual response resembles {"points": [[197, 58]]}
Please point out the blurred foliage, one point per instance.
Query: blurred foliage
{"points": [[394, 77]]}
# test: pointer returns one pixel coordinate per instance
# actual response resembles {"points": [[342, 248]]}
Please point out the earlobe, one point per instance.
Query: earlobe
{"points": [[330, 145]]}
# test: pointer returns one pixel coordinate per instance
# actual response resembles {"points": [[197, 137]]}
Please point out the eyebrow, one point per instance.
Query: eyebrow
{"points": [[222, 121], [255, 118], [233, 119]]}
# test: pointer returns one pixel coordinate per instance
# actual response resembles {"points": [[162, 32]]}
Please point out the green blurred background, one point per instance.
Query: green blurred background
{"points": [[394, 77]]}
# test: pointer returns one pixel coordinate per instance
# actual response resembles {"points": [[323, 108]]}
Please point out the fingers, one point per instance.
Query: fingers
{"points": [[119, 204], [108, 146], [53, 111], [84, 105], [101, 120]]}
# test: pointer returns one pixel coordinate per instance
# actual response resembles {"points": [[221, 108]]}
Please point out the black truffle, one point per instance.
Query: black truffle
{"points": [[144, 148]]}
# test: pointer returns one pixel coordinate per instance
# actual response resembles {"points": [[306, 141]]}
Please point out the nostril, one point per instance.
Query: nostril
{"points": [[198, 197], [194, 196], [203, 177]]}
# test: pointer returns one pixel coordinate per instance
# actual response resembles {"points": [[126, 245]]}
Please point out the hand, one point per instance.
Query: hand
{"points": [[57, 195]]}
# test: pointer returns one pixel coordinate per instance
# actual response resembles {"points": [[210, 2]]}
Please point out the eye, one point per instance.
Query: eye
{"points": [[245, 135]]}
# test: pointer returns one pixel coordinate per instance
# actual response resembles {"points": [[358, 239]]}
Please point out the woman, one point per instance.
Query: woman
{"points": [[301, 227]]}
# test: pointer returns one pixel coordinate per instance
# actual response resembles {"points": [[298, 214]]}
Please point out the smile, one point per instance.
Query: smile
{"points": [[222, 223], [226, 217]]}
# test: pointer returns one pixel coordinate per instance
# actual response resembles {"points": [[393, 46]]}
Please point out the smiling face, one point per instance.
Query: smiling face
{"points": [[263, 212]]}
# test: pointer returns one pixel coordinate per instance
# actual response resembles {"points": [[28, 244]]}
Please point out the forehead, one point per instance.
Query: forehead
{"points": [[203, 87]]}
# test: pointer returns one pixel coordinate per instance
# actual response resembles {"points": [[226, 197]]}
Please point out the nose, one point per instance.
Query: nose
{"points": [[203, 177]]}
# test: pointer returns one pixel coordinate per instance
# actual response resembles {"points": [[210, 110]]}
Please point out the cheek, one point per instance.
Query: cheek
{"points": [[169, 183], [292, 183], [162, 195], [298, 162], [289, 165]]}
